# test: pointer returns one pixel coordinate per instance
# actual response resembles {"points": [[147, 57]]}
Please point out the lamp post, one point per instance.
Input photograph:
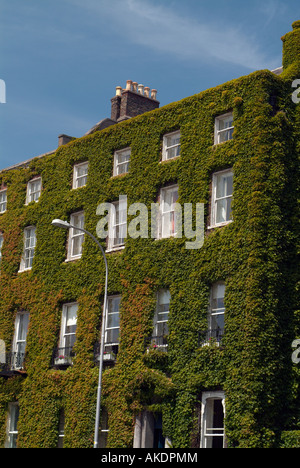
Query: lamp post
{"points": [[66, 225]]}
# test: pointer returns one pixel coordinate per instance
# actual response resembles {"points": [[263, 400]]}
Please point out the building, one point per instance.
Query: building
{"points": [[198, 341]]}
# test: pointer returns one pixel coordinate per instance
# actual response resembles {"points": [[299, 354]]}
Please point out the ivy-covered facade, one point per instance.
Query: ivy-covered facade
{"points": [[200, 338]]}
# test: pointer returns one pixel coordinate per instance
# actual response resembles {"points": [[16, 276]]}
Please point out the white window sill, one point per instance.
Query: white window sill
{"points": [[24, 270], [170, 159], [73, 259], [115, 249], [220, 225]]}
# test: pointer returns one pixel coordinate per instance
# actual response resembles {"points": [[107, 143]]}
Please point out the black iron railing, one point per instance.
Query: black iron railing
{"points": [[13, 361], [157, 342]]}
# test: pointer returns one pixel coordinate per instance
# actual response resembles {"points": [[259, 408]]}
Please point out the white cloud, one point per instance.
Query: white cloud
{"points": [[161, 28]]}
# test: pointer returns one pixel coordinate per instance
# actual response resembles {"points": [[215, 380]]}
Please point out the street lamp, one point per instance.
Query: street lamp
{"points": [[66, 225]]}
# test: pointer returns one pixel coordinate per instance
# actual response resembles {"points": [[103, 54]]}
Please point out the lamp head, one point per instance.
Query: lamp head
{"points": [[61, 224]]}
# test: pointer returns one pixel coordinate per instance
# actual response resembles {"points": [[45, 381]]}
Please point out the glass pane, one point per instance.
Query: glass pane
{"points": [[114, 304], [217, 322], [23, 326], [221, 211], [81, 182], [71, 318], [218, 293], [161, 330], [163, 300], [170, 196], [14, 417], [69, 343], [123, 168], [221, 181], [226, 122], [78, 221], [113, 320], [77, 245], [123, 156], [112, 336], [82, 170], [121, 213]]}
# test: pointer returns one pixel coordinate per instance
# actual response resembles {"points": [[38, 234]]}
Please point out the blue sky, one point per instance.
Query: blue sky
{"points": [[62, 59]]}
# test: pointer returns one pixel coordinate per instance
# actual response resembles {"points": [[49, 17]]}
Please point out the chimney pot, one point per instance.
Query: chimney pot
{"points": [[119, 91], [128, 84], [153, 94], [134, 86], [146, 91], [141, 89]]}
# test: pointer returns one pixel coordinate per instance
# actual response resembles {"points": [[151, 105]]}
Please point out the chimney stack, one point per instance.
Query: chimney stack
{"points": [[64, 139], [134, 100]]}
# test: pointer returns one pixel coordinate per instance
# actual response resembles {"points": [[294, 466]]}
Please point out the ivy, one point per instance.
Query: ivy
{"points": [[256, 256]]}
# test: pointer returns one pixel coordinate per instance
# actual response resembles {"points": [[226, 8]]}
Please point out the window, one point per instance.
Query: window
{"points": [[68, 327], [112, 329], [222, 191], [34, 189], [76, 237], [103, 429], [224, 128], [1, 245], [80, 175], [61, 429], [168, 225], [3, 201], [216, 316], [12, 426], [161, 330], [171, 146], [122, 161], [29, 248], [117, 231], [212, 420], [19, 343]]}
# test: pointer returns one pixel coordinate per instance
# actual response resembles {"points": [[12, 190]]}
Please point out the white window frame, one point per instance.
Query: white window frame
{"points": [[227, 131], [167, 228], [114, 226], [160, 319], [1, 245], [33, 194], [26, 261], [215, 200], [12, 425], [168, 148], [122, 167], [80, 181], [63, 333], [74, 235], [108, 329], [207, 433], [19, 342], [3, 201]]}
